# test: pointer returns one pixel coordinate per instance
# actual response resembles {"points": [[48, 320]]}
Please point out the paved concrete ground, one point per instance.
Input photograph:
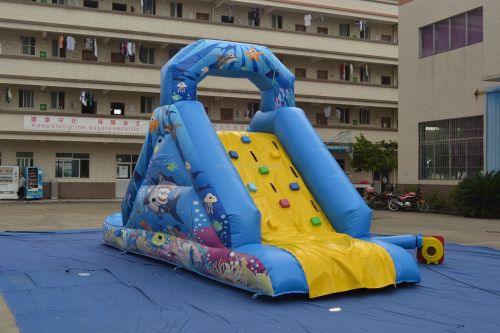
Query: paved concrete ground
{"points": [[76, 215]]}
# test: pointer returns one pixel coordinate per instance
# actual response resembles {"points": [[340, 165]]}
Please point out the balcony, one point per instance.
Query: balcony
{"points": [[53, 72], [162, 29]]}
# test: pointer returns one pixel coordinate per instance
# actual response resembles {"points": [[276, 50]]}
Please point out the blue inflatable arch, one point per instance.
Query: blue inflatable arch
{"points": [[180, 76]]}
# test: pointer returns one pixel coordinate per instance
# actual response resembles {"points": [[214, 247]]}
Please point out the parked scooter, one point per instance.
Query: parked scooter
{"points": [[410, 200]]}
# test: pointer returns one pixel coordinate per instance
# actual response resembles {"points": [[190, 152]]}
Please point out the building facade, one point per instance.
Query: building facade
{"points": [[448, 55], [79, 78]]}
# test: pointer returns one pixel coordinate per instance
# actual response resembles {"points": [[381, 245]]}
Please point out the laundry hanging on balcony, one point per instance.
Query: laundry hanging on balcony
{"points": [[91, 44], [346, 71], [328, 111], [87, 98], [307, 20], [127, 49], [8, 95]]}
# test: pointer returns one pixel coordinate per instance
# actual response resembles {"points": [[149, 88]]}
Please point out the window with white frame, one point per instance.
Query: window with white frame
{"points": [[28, 45], [125, 165], [175, 9], [277, 21], [75, 165], [452, 33], [26, 98], [57, 100], [147, 55], [343, 115]]}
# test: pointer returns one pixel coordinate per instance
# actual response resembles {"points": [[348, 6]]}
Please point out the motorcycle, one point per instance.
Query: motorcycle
{"points": [[410, 200], [380, 200]]}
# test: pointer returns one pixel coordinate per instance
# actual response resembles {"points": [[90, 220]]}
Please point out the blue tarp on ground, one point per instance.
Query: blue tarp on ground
{"points": [[71, 281]]}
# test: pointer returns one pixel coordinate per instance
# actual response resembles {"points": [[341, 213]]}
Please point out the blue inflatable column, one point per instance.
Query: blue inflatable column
{"points": [[492, 126]]}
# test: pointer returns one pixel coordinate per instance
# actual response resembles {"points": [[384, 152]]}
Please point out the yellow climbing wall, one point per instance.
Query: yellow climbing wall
{"points": [[293, 220]]}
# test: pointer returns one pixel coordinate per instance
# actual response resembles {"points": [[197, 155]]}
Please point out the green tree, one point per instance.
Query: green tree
{"points": [[375, 157]]}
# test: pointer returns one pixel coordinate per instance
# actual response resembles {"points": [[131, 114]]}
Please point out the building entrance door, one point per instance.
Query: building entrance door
{"points": [[125, 165]]}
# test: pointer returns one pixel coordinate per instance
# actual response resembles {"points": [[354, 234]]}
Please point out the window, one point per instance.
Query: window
{"points": [[117, 109], [28, 45], [322, 30], [252, 109], [365, 33], [344, 29], [125, 165], [458, 32], [147, 55], [202, 16], [254, 17], [56, 51], [175, 9], [343, 115], [441, 36], [88, 55], [226, 114], [91, 3], [227, 19], [475, 26], [72, 165], [364, 117], [364, 73], [452, 33], [58, 2], [146, 104], [149, 7], [426, 41], [322, 75], [321, 119], [385, 122], [122, 7], [57, 100], [118, 58], [385, 80], [26, 98], [300, 73], [300, 27], [386, 38], [451, 148], [277, 21], [173, 51], [24, 159]]}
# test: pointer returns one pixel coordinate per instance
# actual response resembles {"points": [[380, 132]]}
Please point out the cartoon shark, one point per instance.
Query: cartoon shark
{"points": [[225, 59], [163, 198]]}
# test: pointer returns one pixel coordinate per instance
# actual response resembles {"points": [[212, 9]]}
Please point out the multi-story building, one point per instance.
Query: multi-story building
{"points": [[75, 95], [449, 56]]}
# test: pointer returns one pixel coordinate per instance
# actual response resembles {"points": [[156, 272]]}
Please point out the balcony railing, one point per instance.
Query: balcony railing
{"points": [[108, 23], [58, 72]]}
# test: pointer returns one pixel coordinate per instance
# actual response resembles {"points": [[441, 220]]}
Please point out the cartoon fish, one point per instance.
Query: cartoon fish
{"points": [[253, 54], [162, 199], [225, 59], [145, 225]]}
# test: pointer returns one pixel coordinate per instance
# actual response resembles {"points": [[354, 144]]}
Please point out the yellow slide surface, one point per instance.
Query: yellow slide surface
{"points": [[293, 220]]}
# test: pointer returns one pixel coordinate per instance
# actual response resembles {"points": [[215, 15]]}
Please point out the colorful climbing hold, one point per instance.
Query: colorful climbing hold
{"points": [[264, 170], [245, 139], [316, 221], [294, 186], [233, 154], [252, 187], [284, 203], [275, 154]]}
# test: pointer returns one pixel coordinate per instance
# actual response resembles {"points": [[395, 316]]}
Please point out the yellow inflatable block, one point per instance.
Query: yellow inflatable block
{"points": [[332, 262]]}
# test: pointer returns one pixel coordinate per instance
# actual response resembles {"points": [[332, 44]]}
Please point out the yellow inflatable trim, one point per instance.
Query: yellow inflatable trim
{"points": [[293, 220]]}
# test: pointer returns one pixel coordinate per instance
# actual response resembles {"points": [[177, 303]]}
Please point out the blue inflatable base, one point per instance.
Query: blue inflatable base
{"points": [[71, 281]]}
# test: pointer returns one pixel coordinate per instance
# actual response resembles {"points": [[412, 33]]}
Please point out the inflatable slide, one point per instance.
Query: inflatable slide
{"points": [[268, 210]]}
